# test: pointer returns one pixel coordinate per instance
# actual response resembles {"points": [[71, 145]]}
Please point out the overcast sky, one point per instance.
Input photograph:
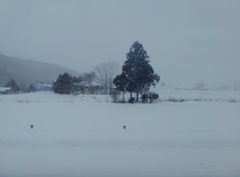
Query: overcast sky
{"points": [[188, 41]]}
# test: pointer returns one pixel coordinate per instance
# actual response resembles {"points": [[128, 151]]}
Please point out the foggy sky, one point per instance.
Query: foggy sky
{"points": [[188, 41]]}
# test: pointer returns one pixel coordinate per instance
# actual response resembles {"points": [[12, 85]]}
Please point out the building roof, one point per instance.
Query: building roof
{"points": [[3, 89]]}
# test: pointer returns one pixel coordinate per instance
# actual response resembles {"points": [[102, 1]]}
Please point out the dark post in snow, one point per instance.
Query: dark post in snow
{"points": [[124, 127], [31, 126]]}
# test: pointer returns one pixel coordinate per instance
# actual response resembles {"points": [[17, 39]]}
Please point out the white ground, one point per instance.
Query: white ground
{"points": [[84, 136]]}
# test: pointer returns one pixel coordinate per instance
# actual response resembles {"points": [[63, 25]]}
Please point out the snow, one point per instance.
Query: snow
{"points": [[49, 97], [3, 89], [195, 95], [83, 136]]}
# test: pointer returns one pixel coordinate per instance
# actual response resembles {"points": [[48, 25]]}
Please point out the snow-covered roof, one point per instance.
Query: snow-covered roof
{"points": [[43, 85], [86, 84], [3, 89]]}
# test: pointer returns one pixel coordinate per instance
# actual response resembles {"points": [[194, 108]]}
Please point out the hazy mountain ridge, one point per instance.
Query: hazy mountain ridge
{"points": [[29, 71]]}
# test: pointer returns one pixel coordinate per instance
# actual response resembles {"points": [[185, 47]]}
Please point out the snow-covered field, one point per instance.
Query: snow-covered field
{"points": [[164, 95], [83, 136]]}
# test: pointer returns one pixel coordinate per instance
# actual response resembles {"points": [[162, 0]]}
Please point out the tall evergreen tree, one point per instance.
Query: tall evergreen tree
{"points": [[139, 74]]}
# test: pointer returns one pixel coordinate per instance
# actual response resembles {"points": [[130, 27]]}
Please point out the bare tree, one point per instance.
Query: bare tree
{"points": [[88, 80], [105, 72]]}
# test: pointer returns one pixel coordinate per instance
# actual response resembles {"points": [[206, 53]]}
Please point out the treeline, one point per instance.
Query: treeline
{"points": [[99, 81], [84, 84], [137, 76], [13, 88]]}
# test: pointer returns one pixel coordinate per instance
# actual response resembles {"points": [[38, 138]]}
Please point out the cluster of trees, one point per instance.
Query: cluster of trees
{"points": [[99, 81], [14, 88], [64, 84], [137, 75], [84, 84]]}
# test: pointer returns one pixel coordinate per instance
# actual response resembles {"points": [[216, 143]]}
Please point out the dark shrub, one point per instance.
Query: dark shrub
{"points": [[131, 100]]}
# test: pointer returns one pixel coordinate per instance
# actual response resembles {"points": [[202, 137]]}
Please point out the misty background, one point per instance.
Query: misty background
{"points": [[188, 41]]}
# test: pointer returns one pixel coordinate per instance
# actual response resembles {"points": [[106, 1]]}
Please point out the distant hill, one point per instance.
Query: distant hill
{"points": [[29, 71]]}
